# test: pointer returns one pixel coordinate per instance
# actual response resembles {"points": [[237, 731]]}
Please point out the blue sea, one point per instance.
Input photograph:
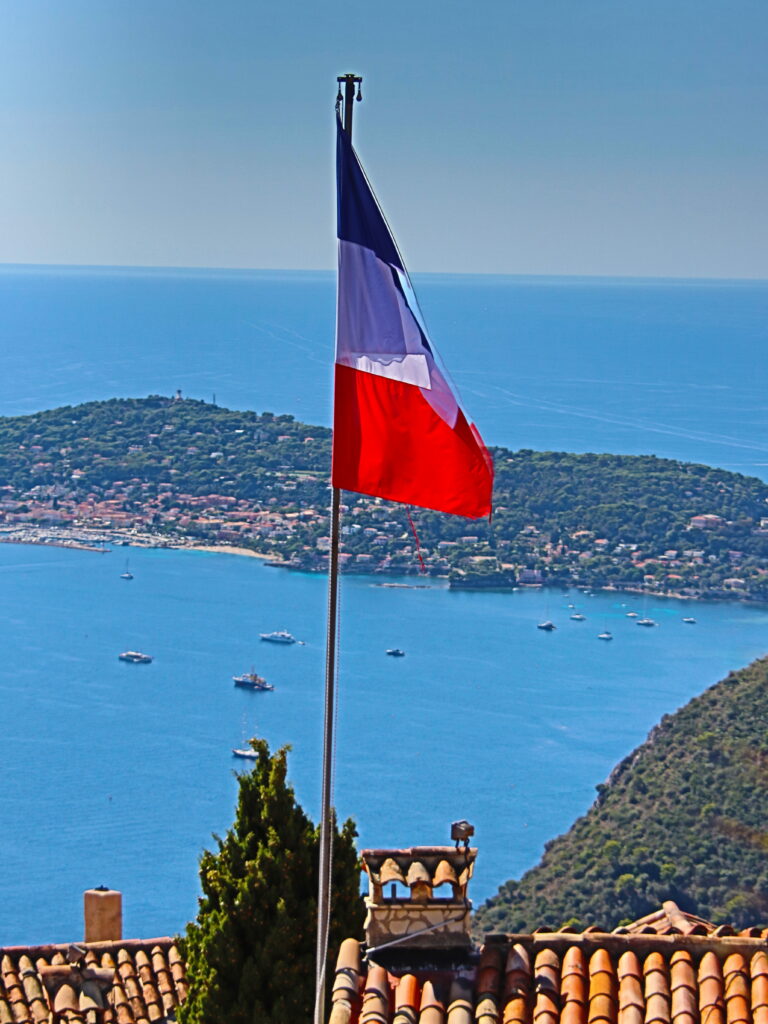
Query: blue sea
{"points": [[118, 774], [674, 368]]}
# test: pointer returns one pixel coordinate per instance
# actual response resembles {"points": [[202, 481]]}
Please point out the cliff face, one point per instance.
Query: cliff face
{"points": [[682, 818]]}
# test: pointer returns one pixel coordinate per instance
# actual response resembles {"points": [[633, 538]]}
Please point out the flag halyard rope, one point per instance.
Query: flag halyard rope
{"points": [[422, 564]]}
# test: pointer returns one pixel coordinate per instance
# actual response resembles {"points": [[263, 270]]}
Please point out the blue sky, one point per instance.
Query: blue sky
{"points": [[517, 136]]}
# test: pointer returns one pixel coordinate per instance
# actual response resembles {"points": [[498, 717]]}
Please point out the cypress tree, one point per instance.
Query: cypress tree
{"points": [[250, 953]]}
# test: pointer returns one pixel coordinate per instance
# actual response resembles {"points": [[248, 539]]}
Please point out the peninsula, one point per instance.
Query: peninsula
{"points": [[176, 472]]}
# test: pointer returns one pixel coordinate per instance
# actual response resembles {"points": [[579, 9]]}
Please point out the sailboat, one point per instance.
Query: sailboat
{"points": [[244, 752], [126, 574], [645, 619]]}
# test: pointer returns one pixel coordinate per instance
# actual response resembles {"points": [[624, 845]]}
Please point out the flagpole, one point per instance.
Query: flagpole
{"points": [[326, 816]]}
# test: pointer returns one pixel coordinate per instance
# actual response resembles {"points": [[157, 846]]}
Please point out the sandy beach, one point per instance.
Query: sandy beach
{"points": [[222, 549]]}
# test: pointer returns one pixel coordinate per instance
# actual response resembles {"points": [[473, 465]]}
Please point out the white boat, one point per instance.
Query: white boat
{"points": [[547, 626], [135, 657], [646, 622], [690, 620], [631, 615], [605, 635], [127, 575], [281, 636], [244, 752], [578, 617]]}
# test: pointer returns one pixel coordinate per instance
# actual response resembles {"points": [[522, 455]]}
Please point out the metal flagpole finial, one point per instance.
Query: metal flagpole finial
{"points": [[354, 79], [349, 82]]}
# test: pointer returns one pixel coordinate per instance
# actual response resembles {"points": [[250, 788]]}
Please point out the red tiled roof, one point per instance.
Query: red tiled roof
{"points": [[122, 982], [667, 968]]}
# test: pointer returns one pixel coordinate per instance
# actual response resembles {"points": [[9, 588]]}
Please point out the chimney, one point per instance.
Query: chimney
{"points": [[417, 897], [103, 914]]}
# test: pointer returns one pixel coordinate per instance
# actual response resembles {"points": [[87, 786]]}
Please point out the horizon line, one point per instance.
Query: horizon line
{"points": [[200, 268]]}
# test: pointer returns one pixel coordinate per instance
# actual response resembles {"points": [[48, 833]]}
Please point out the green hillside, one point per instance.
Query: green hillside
{"points": [[683, 818], [181, 469]]}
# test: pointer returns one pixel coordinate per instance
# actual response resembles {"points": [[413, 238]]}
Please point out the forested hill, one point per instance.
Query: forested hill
{"points": [[683, 818], [180, 468]]}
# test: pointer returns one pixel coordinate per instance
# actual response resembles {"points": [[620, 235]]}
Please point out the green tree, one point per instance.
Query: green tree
{"points": [[251, 951]]}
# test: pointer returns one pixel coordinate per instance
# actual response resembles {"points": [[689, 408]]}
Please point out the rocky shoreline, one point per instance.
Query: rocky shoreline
{"points": [[102, 541]]}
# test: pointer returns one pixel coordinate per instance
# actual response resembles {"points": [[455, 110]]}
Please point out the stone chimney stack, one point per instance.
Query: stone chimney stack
{"points": [[402, 906], [103, 914]]}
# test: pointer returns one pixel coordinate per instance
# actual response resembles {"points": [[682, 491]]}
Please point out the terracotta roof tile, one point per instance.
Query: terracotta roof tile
{"points": [[711, 1001], [375, 1009], [685, 1009], [737, 993], [657, 995], [391, 872], [490, 970], [574, 987], [489, 985], [546, 980], [630, 975], [407, 999], [546, 1009], [669, 968], [602, 988], [420, 866], [516, 1010], [460, 1002], [420, 881], [124, 982], [345, 995], [66, 1000], [517, 986], [669, 920], [445, 872], [758, 970], [431, 1009], [487, 1010]]}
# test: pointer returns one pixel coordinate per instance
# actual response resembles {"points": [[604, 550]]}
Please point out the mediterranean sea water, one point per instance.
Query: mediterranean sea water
{"points": [[118, 774], [674, 368]]}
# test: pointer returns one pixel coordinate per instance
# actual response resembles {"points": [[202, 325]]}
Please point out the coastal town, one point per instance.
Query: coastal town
{"points": [[174, 473]]}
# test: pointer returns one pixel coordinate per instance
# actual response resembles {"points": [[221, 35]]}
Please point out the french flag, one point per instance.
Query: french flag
{"points": [[398, 430]]}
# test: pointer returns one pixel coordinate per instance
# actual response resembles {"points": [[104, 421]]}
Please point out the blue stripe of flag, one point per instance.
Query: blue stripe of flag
{"points": [[359, 219]]}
